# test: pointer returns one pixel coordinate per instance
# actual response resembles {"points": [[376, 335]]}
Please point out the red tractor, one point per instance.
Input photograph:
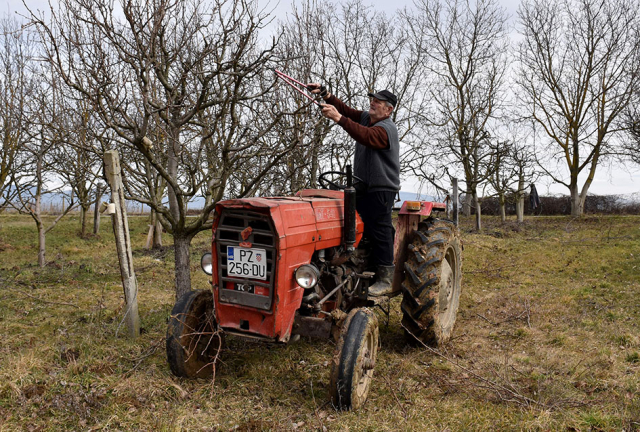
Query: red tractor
{"points": [[288, 266]]}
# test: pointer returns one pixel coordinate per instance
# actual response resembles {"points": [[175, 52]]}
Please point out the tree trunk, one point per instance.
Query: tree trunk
{"points": [[84, 209], [154, 237], [503, 212], [466, 205], [577, 204], [181, 245], [180, 240], [520, 209], [96, 210], [41, 244], [152, 226], [520, 201], [157, 235], [476, 202], [172, 169], [585, 190], [37, 212]]}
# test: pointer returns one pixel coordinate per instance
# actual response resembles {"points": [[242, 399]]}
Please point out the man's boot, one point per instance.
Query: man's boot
{"points": [[383, 283]]}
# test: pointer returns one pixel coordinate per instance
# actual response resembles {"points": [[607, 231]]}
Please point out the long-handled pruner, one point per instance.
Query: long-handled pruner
{"points": [[295, 83]]}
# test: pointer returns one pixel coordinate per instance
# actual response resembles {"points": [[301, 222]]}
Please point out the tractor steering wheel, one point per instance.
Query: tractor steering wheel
{"points": [[331, 184]]}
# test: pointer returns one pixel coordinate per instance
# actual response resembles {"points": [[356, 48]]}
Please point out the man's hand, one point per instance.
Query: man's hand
{"points": [[319, 89], [330, 112]]}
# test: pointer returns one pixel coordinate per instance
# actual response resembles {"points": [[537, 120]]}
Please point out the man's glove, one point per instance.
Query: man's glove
{"points": [[323, 93]]}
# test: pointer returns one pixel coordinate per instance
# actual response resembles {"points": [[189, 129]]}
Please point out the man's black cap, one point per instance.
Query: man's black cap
{"points": [[385, 95]]}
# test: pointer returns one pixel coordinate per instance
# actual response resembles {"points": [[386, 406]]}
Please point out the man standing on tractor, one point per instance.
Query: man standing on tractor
{"points": [[377, 164]]}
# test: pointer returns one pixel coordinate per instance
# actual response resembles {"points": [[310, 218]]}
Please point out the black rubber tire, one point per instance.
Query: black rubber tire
{"points": [[432, 284], [354, 359], [193, 342]]}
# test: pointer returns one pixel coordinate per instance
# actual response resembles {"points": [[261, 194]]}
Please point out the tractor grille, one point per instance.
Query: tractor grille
{"points": [[236, 289]]}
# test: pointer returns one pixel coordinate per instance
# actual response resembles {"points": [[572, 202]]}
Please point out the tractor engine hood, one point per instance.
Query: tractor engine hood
{"points": [[289, 230]]}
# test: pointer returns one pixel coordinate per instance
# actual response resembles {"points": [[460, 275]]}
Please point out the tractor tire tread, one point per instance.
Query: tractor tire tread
{"points": [[424, 286], [435, 241], [414, 277], [421, 236], [346, 365]]}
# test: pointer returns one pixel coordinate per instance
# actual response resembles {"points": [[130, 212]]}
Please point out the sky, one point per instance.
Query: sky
{"points": [[611, 180]]}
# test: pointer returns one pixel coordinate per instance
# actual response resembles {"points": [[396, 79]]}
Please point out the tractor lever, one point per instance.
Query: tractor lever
{"points": [[332, 292]]}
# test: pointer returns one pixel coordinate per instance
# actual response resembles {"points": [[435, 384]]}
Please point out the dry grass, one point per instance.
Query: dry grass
{"points": [[546, 339]]}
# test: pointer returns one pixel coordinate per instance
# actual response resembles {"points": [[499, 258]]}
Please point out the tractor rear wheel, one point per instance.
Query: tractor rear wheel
{"points": [[432, 283], [193, 342], [354, 360]]}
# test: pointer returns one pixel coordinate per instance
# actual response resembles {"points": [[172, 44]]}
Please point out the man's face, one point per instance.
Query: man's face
{"points": [[378, 109]]}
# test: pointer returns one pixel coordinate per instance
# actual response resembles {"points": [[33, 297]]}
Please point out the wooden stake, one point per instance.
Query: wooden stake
{"points": [[123, 242]]}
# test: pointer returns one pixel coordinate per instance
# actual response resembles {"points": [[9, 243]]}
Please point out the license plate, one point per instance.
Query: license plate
{"points": [[247, 262]]}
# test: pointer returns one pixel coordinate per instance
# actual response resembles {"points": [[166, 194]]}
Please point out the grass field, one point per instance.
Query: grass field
{"points": [[546, 339]]}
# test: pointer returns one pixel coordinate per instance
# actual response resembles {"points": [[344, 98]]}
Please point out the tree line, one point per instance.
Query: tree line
{"points": [[186, 92]]}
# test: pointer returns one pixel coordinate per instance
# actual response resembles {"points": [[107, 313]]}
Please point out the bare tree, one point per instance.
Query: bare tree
{"points": [[17, 85], [515, 167], [631, 123], [525, 172], [77, 160], [465, 53], [579, 62], [369, 51], [301, 55], [37, 177], [193, 72], [502, 174], [140, 178], [99, 191], [353, 49]]}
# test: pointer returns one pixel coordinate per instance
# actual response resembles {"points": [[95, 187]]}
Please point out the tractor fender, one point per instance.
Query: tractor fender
{"points": [[426, 207], [405, 225]]}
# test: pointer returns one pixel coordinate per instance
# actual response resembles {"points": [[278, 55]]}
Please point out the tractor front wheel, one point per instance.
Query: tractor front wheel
{"points": [[193, 342], [432, 284], [354, 360]]}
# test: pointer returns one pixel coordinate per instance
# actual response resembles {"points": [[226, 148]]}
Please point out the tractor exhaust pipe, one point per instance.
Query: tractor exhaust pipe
{"points": [[349, 231]]}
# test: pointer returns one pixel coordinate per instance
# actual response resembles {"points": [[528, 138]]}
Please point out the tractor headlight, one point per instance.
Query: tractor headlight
{"points": [[307, 276], [206, 264]]}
